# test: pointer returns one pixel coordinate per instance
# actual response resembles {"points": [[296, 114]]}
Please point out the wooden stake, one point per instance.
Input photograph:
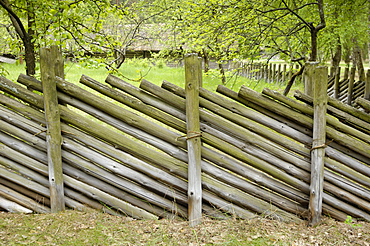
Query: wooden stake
{"points": [[193, 77], [350, 86], [308, 77], [367, 86], [320, 81], [336, 83], [53, 137]]}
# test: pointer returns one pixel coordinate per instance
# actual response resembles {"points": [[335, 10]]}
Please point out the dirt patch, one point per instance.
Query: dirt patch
{"points": [[94, 228]]}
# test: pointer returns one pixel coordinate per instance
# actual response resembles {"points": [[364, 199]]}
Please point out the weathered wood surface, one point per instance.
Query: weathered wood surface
{"points": [[350, 85], [336, 177], [22, 200], [365, 103], [248, 169], [213, 198], [336, 86], [231, 178], [332, 151], [13, 207], [193, 82], [31, 156], [332, 132], [320, 82]]}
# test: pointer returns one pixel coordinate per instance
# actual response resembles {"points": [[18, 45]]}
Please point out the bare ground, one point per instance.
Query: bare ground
{"points": [[95, 228]]}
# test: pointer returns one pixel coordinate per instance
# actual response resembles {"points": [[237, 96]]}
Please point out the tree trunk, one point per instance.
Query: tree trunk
{"points": [[222, 72], [29, 56], [24, 35], [357, 61], [347, 55], [337, 57], [29, 44], [313, 56], [206, 61], [315, 30]]}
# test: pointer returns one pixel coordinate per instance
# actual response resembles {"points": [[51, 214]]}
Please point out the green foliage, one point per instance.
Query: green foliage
{"points": [[3, 71], [350, 221], [220, 29]]}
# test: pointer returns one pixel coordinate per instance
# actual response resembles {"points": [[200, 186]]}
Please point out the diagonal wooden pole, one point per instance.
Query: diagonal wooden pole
{"points": [[193, 78]]}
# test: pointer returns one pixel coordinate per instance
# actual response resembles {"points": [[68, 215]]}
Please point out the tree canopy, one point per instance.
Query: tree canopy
{"points": [[317, 30]]}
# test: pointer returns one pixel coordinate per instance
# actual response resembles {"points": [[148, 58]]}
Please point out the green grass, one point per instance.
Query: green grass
{"points": [[95, 228], [136, 69]]}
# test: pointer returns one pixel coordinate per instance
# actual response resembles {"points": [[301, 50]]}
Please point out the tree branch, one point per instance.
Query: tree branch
{"points": [[17, 23]]}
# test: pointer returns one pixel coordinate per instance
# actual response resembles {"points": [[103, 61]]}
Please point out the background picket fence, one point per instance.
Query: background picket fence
{"points": [[345, 84]]}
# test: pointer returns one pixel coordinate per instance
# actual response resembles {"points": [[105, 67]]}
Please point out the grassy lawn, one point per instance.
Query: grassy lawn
{"points": [[135, 70]]}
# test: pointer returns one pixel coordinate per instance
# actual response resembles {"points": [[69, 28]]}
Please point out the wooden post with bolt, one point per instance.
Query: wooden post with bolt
{"points": [[193, 78], [319, 86], [48, 58]]}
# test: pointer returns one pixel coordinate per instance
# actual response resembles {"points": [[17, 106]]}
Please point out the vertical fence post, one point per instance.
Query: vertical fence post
{"points": [[336, 83], [58, 62], [350, 85], [320, 81], [308, 77], [193, 78], [48, 56], [367, 85], [346, 72]]}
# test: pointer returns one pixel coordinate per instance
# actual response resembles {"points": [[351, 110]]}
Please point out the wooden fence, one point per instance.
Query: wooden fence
{"points": [[124, 151], [343, 84]]}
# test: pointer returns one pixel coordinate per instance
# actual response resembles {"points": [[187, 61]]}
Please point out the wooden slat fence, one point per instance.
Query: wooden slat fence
{"points": [[343, 84], [124, 151]]}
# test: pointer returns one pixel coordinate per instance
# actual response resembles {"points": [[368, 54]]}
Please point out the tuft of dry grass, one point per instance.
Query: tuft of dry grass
{"points": [[96, 228]]}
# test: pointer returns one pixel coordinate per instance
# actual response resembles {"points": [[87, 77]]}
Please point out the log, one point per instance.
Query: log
{"points": [[88, 166], [97, 194], [305, 140], [350, 110], [105, 117], [234, 95], [365, 103], [143, 96], [214, 198], [30, 139], [215, 157], [353, 143], [27, 192], [230, 179], [21, 93], [89, 125], [133, 103], [211, 118], [339, 137], [218, 107], [13, 207], [144, 190], [333, 122], [22, 200], [113, 191], [278, 108], [71, 183]]}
